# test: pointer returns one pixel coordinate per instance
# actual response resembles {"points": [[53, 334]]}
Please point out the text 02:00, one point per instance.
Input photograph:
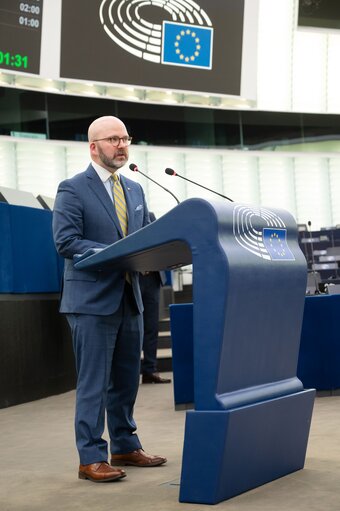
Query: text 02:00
{"points": [[32, 9]]}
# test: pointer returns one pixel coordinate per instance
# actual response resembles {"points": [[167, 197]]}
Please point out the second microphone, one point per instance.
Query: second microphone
{"points": [[135, 168]]}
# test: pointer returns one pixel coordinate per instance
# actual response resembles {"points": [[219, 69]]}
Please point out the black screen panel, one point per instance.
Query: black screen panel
{"points": [[319, 13], [20, 35], [179, 45]]}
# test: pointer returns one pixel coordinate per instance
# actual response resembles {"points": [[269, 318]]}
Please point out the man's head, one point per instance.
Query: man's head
{"points": [[109, 141]]}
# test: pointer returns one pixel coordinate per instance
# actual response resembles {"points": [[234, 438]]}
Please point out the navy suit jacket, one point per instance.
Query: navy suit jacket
{"points": [[84, 217]]}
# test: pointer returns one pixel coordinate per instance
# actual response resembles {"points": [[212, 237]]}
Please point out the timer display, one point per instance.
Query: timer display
{"points": [[17, 60], [20, 35]]}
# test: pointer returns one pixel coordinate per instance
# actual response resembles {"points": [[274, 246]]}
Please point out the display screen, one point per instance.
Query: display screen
{"points": [[20, 35], [178, 44], [319, 13]]}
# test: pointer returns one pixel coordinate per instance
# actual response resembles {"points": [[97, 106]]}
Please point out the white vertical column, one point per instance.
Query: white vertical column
{"points": [[8, 171], [334, 185], [204, 167], [240, 177], [333, 79], [277, 186], [40, 166], [309, 72], [312, 191], [138, 157], [157, 160], [275, 40], [77, 158]]}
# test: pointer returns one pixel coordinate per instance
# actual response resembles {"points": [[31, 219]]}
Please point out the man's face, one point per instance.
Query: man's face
{"points": [[111, 157], [110, 141]]}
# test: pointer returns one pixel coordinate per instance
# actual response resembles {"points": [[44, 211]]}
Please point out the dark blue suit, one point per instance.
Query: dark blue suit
{"points": [[104, 312], [150, 285]]}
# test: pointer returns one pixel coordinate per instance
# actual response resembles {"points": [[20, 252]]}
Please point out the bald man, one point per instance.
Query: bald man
{"points": [[103, 308]]}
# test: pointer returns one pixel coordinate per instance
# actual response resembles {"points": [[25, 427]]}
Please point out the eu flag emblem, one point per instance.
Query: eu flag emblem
{"points": [[187, 45], [275, 241]]}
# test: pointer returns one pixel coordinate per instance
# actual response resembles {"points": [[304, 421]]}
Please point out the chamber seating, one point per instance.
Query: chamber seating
{"points": [[37, 359]]}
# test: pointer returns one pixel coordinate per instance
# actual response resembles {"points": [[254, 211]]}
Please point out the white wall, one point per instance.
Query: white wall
{"points": [[307, 185], [298, 68]]}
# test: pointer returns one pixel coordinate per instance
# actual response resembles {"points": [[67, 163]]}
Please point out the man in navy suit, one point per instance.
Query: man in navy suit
{"points": [[103, 308]]}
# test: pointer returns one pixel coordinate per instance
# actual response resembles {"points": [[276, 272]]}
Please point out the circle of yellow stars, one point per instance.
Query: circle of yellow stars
{"points": [[196, 53], [278, 244]]}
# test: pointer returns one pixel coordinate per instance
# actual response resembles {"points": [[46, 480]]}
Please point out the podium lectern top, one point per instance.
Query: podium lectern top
{"points": [[249, 281]]}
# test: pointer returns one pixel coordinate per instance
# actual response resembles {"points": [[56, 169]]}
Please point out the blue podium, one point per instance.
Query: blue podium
{"points": [[319, 356], [251, 417]]}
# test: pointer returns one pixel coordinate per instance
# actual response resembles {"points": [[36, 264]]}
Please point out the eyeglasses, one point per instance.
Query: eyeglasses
{"points": [[115, 141]]}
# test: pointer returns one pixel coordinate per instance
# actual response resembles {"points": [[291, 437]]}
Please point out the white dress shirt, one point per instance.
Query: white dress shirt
{"points": [[104, 176]]}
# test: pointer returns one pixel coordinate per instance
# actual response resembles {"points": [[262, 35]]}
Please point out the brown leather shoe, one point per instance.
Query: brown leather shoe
{"points": [[100, 472], [154, 378], [137, 458]]}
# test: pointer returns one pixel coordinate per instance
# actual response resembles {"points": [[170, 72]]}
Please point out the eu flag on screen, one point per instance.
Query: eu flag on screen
{"points": [[187, 45], [275, 241]]}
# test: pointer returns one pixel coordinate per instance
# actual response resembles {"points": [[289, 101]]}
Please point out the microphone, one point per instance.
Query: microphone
{"points": [[134, 168], [171, 172], [317, 292]]}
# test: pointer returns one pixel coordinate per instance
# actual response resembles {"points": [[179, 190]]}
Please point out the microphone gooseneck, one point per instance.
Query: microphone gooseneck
{"points": [[172, 172], [313, 259], [135, 168]]}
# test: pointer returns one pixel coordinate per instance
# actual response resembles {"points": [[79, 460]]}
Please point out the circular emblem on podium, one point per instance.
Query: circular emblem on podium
{"points": [[262, 232]]}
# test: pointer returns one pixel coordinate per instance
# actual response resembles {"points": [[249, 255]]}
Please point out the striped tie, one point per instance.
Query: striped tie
{"points": [[120, 204]]}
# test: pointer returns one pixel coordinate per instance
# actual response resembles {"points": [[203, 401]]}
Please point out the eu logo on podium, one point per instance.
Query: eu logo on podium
{"points": [[275, 241]]}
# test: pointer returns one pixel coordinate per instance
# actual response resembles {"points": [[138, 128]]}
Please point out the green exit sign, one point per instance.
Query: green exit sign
{"points": [[26, 134]]}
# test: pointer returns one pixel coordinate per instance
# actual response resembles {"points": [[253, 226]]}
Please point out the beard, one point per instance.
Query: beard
{"points": [[116, 162]]}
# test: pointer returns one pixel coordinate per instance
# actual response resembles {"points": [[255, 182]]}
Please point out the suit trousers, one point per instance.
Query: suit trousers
{"points": [[107, 353], [150, 289]]}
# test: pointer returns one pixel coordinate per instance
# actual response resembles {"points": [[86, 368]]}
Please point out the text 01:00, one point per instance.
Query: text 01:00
{"points": [[29, 22]]}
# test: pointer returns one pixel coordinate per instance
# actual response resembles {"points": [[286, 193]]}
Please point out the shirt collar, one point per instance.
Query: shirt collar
{"points": [[103, 174]]}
